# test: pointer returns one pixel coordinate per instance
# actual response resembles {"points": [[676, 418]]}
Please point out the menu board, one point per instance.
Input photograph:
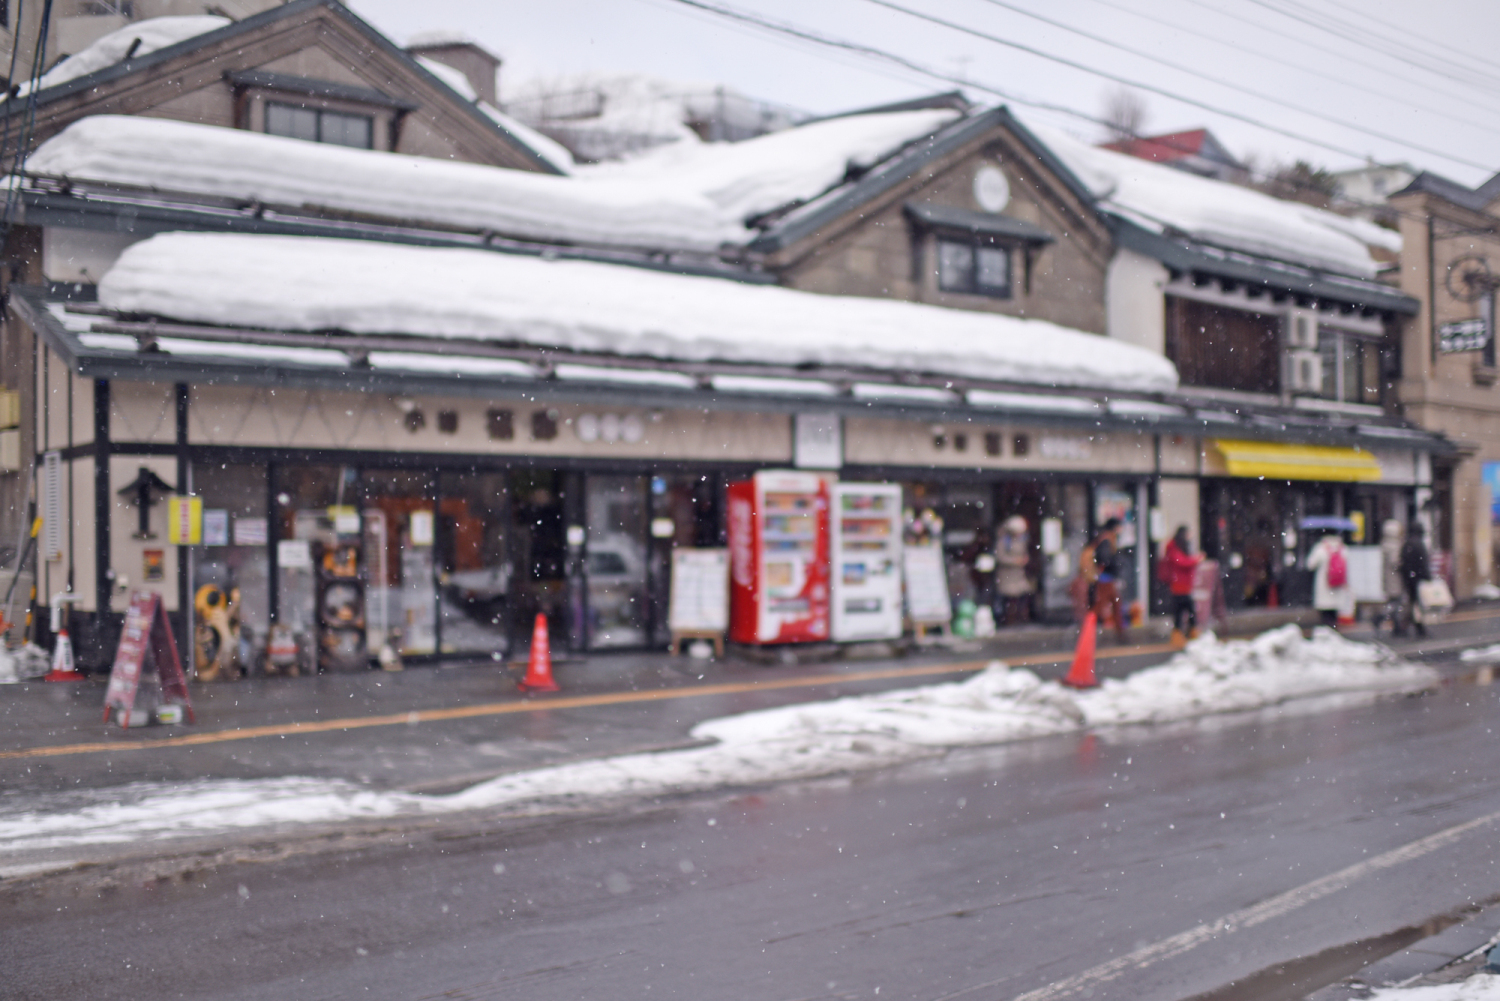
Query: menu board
{"points": [[700, 591], [926, 585], [145, 631]]}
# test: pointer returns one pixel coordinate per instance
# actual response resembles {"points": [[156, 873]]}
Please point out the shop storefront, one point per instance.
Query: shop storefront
{"points": [[436, 509]]}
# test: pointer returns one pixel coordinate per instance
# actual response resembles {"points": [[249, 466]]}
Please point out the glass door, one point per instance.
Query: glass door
{"points": [[616, 561], [400, 530], [473, 562]]}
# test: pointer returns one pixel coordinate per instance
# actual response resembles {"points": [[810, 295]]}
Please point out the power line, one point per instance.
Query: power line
{"points": [[1326, 52], [804, 34], [1211, 79], [1400, 53], [1292, 64], [1152, 88], [1407, 32]]}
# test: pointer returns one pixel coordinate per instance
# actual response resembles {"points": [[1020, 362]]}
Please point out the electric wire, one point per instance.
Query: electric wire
{"points": [[1399, 53], [1407, 32], [1326, 52], [1299, 67], [804, 34], [1164, 92]]}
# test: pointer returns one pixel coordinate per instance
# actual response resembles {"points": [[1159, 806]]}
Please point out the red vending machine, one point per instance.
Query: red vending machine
{"points": [[778, 555]]}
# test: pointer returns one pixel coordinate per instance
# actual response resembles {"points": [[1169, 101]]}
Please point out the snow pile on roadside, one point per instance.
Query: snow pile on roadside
{"points": [[1481, 654], [1213, 677], [851, 734], [1480, 987], [359, 286]]}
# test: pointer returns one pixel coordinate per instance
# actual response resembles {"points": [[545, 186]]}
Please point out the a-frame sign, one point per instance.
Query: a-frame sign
{"points": [[146, 628]]}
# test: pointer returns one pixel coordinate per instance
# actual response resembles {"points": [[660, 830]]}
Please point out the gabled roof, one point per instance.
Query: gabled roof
{"points": [[90, 92], [1474, 199], [1174, 146], [901, 167]]}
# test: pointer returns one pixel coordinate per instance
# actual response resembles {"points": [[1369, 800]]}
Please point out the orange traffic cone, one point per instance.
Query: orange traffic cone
{"points": [[539, 667], [1081, 675], [62, 660]]}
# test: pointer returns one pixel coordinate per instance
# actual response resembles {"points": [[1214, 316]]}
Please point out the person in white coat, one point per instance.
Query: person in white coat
{"points": [[1335, 602]]}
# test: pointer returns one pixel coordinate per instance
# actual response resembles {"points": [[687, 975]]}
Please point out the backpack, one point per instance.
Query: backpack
{"points": [[1338, 569]]}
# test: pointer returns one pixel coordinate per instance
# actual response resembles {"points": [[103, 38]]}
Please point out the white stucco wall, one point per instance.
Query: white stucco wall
{"points": [[1136, 310]]}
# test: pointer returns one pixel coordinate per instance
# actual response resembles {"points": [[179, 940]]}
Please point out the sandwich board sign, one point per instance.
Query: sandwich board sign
{"points": [[146, 630]]}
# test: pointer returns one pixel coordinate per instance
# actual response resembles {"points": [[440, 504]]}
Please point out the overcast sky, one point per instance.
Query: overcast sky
{"points": [[1407, 71]]}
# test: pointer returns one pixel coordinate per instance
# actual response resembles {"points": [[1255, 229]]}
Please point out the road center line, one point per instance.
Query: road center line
{"points": [[545, 704], [1246, 917]]}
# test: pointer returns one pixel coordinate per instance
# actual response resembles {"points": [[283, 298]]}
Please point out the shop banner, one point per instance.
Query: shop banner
{"points": [[185, 521]]}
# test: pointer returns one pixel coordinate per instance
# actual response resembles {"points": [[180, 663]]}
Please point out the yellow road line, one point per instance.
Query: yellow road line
{"points": [[564, 702]]}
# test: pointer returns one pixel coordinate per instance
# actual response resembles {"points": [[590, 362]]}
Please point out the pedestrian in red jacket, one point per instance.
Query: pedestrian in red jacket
{"points": [[1178, 563]]}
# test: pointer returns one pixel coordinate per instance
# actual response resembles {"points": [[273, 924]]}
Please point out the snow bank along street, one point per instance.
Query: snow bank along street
{"points": [[792, 742], [1480, 987]]}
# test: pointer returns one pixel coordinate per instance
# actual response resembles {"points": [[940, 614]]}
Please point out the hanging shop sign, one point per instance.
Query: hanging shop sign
{"points": [[1463, 335]]}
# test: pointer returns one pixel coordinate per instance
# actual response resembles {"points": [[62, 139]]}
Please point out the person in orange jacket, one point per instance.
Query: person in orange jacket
{"points": [[1178, 562]]}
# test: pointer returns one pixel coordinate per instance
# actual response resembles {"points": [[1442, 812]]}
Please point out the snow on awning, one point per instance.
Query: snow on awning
{"points": [[358, 287]]}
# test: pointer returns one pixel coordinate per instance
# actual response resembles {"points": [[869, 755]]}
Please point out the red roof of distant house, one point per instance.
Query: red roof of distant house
{"points": [[1163, 149]]}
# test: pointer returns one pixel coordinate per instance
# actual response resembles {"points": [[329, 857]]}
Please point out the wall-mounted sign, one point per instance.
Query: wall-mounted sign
{"points": [[293, 554], [185, 521], [250, 531], [1464, 335], [153, 565], [216, 527], [421, 528], [818, 441]]}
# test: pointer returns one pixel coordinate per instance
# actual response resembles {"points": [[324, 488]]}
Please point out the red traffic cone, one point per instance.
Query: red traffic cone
{"points": [[1081, 675], [62, 660], [539, 667]]}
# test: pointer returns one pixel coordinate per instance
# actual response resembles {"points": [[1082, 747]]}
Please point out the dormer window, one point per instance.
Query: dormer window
{"points": [[975, 268], [319, 126]]}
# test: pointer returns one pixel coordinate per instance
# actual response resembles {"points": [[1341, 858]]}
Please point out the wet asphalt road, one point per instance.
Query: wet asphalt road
{"points": [[990, 874]]}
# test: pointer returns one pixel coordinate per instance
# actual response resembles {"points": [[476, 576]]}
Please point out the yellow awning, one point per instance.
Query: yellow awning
{"points": [[1272, 461]]}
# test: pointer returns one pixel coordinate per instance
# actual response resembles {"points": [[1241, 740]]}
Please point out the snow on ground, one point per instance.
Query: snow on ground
{"points": [[1162, 198], [697, 199], [154, 33], [1480, 987], [788, 743], [302, 283], [1481, 654]]}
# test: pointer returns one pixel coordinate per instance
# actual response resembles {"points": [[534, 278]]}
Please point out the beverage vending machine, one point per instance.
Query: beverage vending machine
{"points": [[866, 561], [778, 558]]}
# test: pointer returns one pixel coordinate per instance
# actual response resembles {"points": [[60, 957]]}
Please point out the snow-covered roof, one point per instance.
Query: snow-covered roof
{"points": [[309, 284], [1161, 199], [154, 33], [751, 178], [699, 200]]}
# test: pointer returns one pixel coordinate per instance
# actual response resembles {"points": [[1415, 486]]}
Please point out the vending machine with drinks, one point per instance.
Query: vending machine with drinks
{"points": [[778, 558], [866, 542]]}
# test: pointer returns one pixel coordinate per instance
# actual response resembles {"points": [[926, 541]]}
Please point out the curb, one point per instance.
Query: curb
{"points": [[1448, 957]]}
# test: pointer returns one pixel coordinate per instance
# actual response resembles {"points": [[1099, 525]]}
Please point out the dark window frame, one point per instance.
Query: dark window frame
{"points": [[319, 116], [1367, 359], [971, 283]]}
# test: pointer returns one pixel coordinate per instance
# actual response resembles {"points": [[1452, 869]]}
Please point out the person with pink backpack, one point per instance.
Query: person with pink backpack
{"points": [[1332, 595]]}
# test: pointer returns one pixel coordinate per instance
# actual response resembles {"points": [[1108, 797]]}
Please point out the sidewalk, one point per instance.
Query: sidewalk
{"points": [[440, 729]]}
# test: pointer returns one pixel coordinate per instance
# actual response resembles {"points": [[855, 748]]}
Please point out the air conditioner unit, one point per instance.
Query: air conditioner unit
{"points": [[1306, 375], [1302, 329]]}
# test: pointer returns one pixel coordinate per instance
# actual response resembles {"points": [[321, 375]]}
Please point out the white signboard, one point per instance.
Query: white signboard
{"points": [[818, 441], [926, 585], [293, 554], [249, 531], [700, 591], [1364, 572]]}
